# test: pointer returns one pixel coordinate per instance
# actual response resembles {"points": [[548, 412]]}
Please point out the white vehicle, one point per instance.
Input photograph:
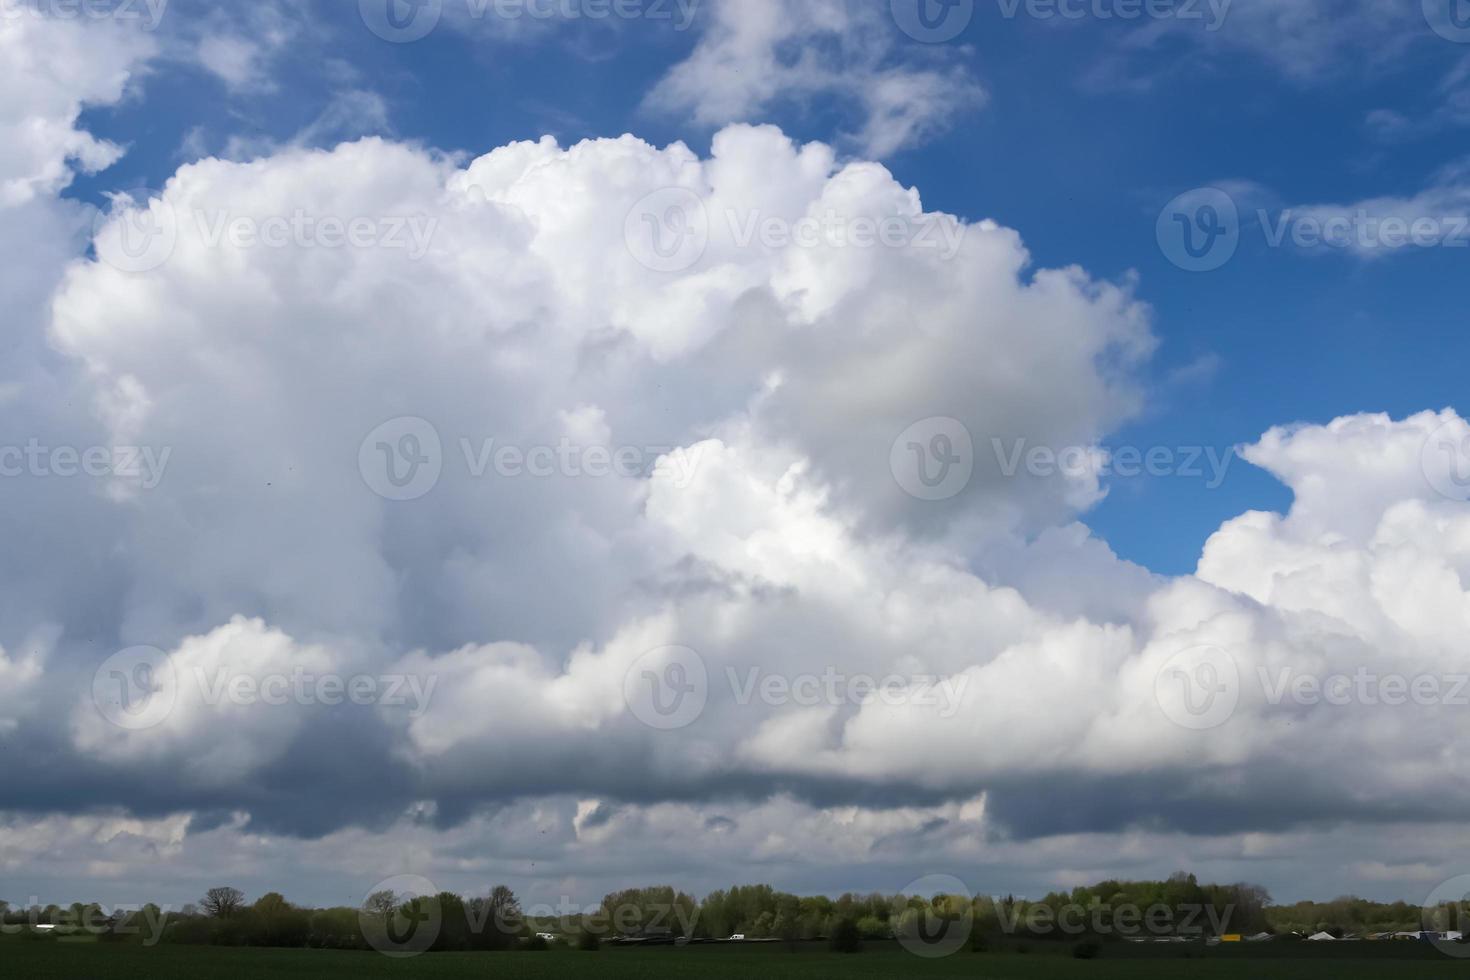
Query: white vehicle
{"points": [[737, 937]]}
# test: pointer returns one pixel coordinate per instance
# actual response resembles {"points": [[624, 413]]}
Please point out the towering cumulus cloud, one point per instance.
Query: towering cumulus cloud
{"points": [[567, 496]]}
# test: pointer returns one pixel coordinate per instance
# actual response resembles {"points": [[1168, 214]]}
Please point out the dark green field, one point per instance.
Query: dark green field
{"points": [[94, 960]]}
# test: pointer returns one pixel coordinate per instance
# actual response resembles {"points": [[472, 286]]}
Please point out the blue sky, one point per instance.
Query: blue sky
{"points": [[1082, 139], [322, 422]]}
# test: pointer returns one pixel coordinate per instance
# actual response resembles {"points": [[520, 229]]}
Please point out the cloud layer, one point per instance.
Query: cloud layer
{"points": [[562, 435]]}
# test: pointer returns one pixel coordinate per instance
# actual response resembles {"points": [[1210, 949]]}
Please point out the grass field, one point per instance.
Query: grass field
{"points": [[47, 960]]}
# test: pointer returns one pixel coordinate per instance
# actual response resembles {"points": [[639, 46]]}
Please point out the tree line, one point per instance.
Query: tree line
{"points": [[1114, 909]]}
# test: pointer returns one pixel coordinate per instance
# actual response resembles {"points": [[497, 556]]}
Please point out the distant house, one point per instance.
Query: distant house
{"points": [[1260, 937], [1322, 937]]}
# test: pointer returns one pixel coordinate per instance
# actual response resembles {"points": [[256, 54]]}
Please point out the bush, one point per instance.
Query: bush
{"points": [[1087, 951], [535, 944], [846, 938], [587, 940]]}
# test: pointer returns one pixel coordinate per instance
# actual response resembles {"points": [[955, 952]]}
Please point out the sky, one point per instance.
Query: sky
{"points": [[594, 443]]}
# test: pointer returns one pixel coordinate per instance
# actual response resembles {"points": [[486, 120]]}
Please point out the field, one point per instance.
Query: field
{"points": [[48, 960]]}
